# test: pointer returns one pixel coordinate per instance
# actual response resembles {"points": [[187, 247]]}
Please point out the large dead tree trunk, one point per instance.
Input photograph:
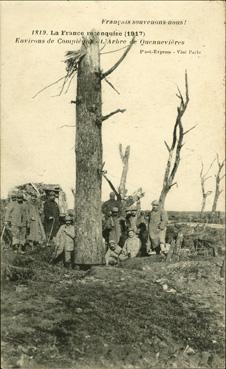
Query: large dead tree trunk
{"points": [[125, 162], [176, 146], [88, 240], [88, 149], [205, 194], [218, 179]]}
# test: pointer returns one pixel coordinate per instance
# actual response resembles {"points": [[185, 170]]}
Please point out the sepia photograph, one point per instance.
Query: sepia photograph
{"points": [[112, 184]]}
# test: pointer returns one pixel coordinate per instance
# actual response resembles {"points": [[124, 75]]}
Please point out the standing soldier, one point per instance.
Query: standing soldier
{"points": [[65, 243], [51, 217], [37, 234], [142, 233], [110, 204], [157, 227], [116, 226], [17, 218], [6, 230], [10, 205]]}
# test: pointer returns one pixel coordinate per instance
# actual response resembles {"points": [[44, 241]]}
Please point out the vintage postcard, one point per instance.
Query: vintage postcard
{"points": [[112, 184]]}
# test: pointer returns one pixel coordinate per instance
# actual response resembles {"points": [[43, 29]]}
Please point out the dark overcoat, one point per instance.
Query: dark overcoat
{"points": [[51, 210]]}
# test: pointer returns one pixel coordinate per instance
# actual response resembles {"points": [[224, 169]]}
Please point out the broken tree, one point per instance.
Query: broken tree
{"points": [[218, 179], [205, 194], [121, 193], [88, 149], [125, 161], [176, 146]]}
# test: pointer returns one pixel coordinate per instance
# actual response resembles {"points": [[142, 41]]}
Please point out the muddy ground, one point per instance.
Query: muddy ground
{"points": [[144, 314]]}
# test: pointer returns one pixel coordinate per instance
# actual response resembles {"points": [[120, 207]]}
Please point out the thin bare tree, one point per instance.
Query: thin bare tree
{"points": [[218, 178], [177, 143], [204, 178], [125, 161]]}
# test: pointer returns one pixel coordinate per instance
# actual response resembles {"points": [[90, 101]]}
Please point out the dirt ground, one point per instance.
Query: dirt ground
{"points": [[143, 314]]}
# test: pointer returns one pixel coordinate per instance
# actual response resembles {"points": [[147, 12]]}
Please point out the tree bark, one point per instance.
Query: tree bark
{"points": [[88, 150]]}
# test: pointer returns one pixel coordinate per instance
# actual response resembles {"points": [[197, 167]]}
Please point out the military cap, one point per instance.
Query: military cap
{"points": [[68, 217]]}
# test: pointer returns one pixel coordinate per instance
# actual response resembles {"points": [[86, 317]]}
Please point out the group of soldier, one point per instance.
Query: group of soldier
{"points": [[127, 232], [30, 221], [130, 232]]}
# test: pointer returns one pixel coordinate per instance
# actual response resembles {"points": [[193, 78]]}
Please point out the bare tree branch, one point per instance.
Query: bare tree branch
{"points": [[112, 113], [173, 184], [189, 129], [186, 86], [180, 96], [51, 84], [112, 86], [120, 152], [67, 125], [69, 83], [220, 165], [109, 71], [112, 187], [209, 168], [202, 168], [112, 51], [167, 146]]}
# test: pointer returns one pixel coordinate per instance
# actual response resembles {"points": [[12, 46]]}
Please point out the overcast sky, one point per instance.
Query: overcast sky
{"points": [[36, 149]]}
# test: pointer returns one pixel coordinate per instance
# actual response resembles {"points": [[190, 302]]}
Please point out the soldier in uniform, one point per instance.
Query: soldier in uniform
{"points": [[131, 218], [36, 235], [112, 254], [116, 227], [110, 204], [65, 243], [157, 227], [131, 247], [51, 216], [17, 219]]}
